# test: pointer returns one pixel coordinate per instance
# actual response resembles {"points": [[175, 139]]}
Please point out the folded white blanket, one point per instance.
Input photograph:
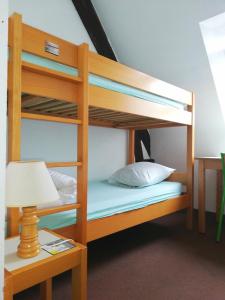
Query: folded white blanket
{"points": [[64, 199], [66, 187], [62, 181]]}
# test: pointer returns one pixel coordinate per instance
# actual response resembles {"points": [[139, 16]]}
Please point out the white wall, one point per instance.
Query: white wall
{"points": [[54, 16], [163, 38], [3, 97], [57, 142]]}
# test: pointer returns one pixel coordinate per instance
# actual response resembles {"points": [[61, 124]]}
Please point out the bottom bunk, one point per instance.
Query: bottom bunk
{"points": [[112, 208]]}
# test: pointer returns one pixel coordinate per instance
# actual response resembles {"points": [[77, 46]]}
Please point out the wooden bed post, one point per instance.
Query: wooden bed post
{"points": [[131, 149], [14, 106], [190, 164], [82, 140]]}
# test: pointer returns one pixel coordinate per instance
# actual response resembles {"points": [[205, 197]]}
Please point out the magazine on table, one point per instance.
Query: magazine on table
{"points": [[58, 246]]}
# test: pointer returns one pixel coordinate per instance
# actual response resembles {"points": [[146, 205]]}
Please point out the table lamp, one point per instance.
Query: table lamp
{"points": [[28, 184]]}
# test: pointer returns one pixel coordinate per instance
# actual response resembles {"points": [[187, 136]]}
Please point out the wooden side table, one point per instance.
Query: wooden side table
{"points": [[204, 163], [8, 287], [21, 274]]}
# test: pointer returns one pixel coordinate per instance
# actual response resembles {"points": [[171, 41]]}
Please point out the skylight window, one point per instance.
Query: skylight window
{"points": [[213, 33]]}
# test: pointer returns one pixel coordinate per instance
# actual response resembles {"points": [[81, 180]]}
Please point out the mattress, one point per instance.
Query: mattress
{"points": [[102, 82], [105, 200]]}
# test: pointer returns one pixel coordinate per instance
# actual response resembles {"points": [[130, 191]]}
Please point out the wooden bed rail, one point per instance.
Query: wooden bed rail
{"points": [[52, 210], [110, 69], [179, 177], [63, 164], [58, 86], [115, 101], [50, 118], [34, 41]]}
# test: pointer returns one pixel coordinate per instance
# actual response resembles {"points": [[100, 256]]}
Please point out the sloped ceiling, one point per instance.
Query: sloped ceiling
{"points": [[163, 38]]}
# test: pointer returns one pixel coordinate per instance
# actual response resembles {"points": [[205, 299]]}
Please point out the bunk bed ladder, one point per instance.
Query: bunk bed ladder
{"points": [[14, 130]]}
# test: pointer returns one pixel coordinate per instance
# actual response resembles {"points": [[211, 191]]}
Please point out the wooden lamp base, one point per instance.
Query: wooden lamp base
{"points": [[29, 245]]}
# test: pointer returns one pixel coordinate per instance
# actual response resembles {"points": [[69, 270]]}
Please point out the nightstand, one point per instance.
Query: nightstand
{"points": [[24, 273]]}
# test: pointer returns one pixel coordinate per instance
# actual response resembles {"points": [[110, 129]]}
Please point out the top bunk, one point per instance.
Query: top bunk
{"points": [[51, 73]]}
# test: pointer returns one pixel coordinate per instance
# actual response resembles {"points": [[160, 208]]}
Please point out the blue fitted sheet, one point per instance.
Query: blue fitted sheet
{"points": [[105, 200], [101, 81]]}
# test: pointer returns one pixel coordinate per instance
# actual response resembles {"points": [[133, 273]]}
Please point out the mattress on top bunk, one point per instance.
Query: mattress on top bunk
{"points": [[102, 82], [105, 200]]}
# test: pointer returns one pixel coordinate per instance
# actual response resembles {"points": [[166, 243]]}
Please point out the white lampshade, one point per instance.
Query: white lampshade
{"points": [[28, 183]]}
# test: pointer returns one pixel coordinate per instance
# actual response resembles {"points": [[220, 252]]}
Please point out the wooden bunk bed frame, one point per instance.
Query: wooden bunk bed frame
{"points": [[40, 93]]}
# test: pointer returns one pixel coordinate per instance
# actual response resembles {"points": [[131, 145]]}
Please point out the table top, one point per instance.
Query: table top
{"points": [[13, 262], [208, 157]]}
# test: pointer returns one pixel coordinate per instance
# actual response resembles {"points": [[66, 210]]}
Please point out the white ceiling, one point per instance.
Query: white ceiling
{"points": [[149, 34]]}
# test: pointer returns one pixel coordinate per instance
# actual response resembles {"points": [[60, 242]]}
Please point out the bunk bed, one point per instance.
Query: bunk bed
{"points": [[53, 80]]}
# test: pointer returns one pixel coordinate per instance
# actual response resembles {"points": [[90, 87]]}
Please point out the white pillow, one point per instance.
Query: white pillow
{"points": [[63, 182], [141, 174]]}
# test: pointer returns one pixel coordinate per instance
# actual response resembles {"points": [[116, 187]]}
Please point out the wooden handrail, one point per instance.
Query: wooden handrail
{"points": [[52, 210], [63, 164], [49, 72], [49, 118]]}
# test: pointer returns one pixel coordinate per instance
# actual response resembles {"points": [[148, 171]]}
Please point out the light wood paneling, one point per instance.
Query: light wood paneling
{"points": [[190, 164], [201, 196], [219, 191], [131, 149], [105, 226], [179, 177], [49, 72], [63, 164], [79, 278], [82, 142], [42, 108], [53, 90], [14, 105], [205, 163], [8, 286], [48, 86], [34, 42], [120, 102], [50, 118], [53, 210], [46, 289], [113, 70]]}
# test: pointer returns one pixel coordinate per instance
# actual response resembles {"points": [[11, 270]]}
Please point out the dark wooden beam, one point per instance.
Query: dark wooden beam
{"points": [[98, 36], [94, 27]]}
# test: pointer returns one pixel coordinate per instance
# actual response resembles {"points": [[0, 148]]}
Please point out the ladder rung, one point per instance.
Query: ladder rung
{"points": [[49, 118], [63, 164], [43, 70], [53, 210]]}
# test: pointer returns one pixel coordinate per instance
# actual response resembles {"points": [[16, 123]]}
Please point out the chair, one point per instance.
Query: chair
{"points": [[222, 204]]}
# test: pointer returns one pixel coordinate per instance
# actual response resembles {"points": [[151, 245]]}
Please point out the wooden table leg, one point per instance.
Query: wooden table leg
{"points": [[8, 286], [79, 278], [46, 289], [218, 191], [201, 196]]}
